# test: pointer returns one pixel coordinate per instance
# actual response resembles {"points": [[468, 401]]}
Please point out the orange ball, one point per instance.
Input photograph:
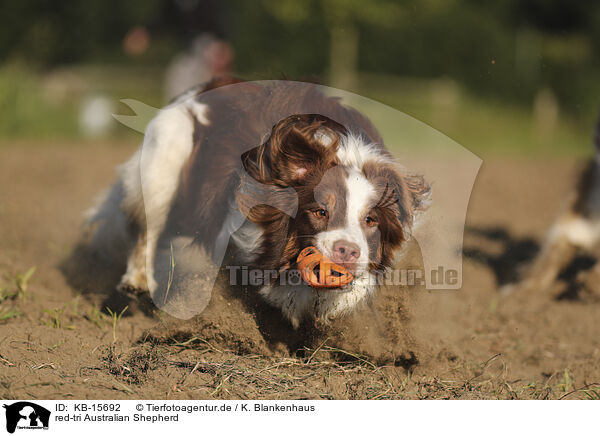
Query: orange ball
{"points": [[320, 272]]}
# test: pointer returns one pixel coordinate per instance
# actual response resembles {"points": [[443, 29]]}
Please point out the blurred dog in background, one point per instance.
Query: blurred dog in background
{"points": [[575, 232]]}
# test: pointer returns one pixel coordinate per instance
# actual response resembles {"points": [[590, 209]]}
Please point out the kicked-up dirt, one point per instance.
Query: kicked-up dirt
{"points": [[58, 340]]}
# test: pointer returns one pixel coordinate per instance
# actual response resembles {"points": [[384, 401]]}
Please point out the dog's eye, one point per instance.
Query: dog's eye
{"points": [[320, 213], [370, 221]]}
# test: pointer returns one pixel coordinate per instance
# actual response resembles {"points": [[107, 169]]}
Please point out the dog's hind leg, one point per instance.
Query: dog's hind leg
{"points": [[571, 234], [556, 254], [151, 179]]}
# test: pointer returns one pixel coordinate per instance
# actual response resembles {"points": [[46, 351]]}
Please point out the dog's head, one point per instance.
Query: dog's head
{"points": [[354, 203]]}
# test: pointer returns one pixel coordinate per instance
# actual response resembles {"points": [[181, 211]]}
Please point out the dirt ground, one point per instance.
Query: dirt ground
{"points": [[57, 341]]}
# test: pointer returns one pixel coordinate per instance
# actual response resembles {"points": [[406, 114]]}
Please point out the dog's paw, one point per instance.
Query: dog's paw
{"points": [[130, 291], [133, 284]]}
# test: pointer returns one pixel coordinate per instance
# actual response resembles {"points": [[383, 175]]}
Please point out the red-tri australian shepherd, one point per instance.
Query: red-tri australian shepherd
{"points": [[272, 167]]}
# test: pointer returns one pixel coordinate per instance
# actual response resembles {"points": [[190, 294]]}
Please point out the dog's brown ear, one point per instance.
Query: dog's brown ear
{"points": [[403, 193], [297, 146], [418, 192]]}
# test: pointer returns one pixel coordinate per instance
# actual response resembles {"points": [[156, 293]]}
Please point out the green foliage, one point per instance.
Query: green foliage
{"points": [[6, 313], [96, 317], [482, 125], [13, 289], [592, 394], [25, 111], [499, 52], [505, 50], [50, 33], [21, 280], [116, 317], [566, 383], [55, 318], [377, 13], [15, 286]]}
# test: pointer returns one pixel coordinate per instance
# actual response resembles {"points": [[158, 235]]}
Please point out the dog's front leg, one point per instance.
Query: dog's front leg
{"points": [[134, 280]]}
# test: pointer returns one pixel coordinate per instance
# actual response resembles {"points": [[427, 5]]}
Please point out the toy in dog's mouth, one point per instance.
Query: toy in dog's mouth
{"points": [[320, 272]]}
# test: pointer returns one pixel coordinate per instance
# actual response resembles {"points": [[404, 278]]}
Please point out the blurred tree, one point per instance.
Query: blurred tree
{"points": [[47, 33], [342, 18], [511, 49]]}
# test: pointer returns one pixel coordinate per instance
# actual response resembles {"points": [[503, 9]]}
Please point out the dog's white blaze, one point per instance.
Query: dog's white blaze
{"points": [[359, 194]]}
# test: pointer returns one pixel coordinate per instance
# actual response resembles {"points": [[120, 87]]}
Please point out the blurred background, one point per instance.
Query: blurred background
{"points": [[518, 76]]}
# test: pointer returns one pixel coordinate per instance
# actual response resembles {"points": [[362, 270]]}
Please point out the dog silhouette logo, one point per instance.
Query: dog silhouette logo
{"points": [[26, 415]]}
